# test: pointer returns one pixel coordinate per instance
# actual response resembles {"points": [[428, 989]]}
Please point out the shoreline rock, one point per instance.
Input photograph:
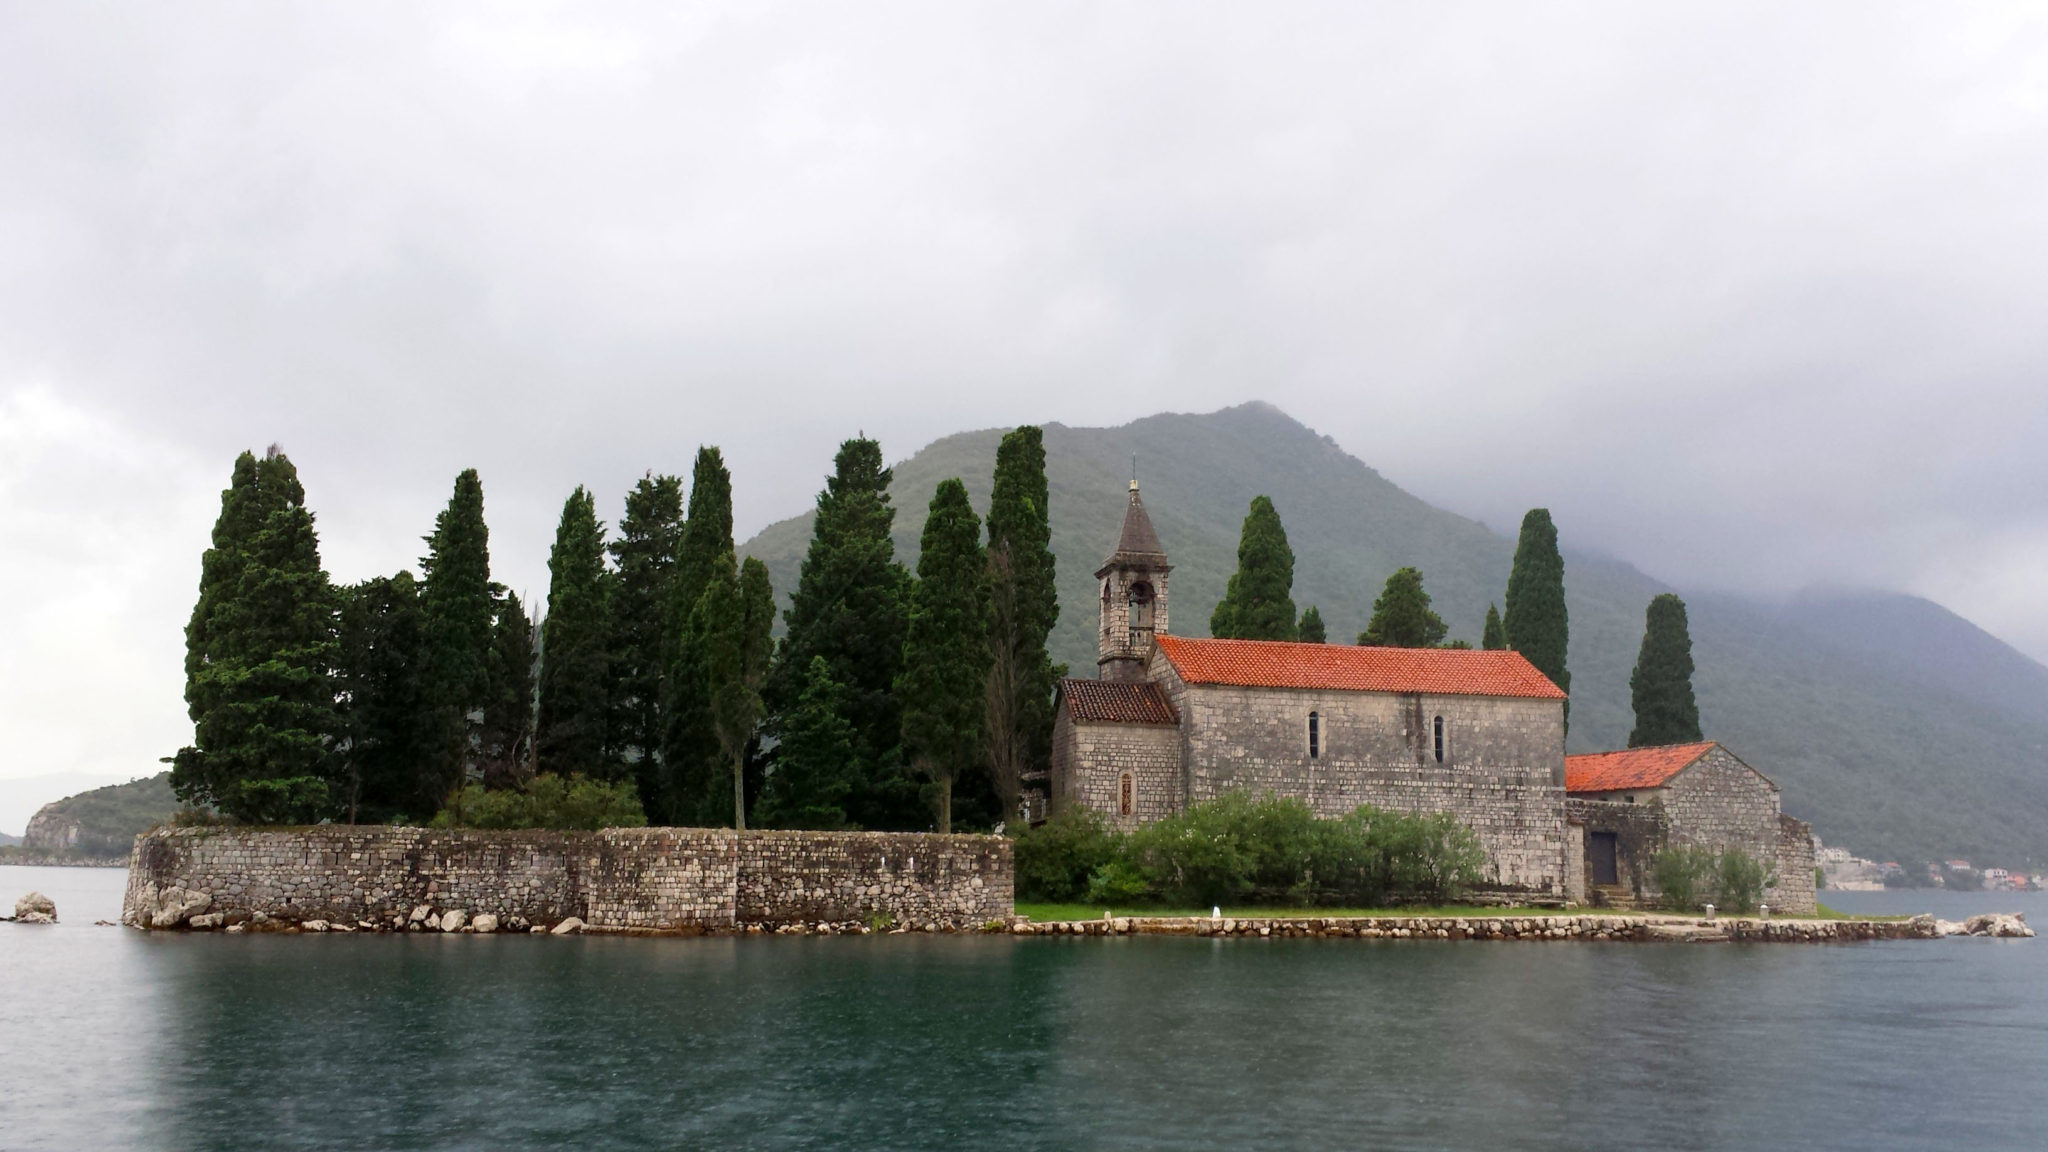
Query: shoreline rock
{"points": [[35, 908]]}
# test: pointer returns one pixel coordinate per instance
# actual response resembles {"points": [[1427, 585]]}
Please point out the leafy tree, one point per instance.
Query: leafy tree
{"points": [[456, 596], [1401, 617], [1257, 604], [546, 801], [690, 752], [650, 536], [733, 620], [1311, 630], [1661, 685], [1055, 859], [505, 747], [574, 660], [1535, 623], [391, 729], [849, 609], [945, 654], [260, 655], [1023, 607], [813, 775], [1493, 638]]}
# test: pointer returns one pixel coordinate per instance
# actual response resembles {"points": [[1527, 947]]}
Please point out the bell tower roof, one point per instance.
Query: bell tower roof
{"points": [[1138, 541]]}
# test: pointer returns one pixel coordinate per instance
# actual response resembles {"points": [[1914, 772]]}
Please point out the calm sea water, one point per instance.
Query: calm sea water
{"points": [[113, 1039]]}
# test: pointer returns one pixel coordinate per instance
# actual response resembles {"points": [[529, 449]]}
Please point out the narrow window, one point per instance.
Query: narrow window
{"points": [[1439, 739], [1126, 795], [1315, 735]]}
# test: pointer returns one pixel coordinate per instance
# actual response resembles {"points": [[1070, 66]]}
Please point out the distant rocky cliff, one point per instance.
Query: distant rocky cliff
{"points": [[99, 826]]}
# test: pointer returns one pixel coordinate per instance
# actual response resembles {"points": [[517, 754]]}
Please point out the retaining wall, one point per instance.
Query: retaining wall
{"points": [[659, 879]]}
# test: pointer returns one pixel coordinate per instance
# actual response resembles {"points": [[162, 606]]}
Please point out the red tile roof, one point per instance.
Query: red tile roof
{"points": [[1114, 702], [1634, 768], [1344, 668]]}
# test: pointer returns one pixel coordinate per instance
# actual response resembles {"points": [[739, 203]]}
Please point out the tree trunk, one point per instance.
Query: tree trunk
{"points": [[945, 804], [739, 790]]}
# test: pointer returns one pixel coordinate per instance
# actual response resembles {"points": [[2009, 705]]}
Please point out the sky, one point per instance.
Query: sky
{"points": [[1750, 295]]}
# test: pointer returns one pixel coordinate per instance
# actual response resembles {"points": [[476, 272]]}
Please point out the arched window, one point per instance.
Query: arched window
{"points": [[1315, 735], [1141, 606], [1439, 739], [1126, 795]]}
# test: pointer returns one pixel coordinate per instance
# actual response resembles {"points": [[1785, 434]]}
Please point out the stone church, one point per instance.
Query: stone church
{"points": [[1170, 721], [1173, 720]]}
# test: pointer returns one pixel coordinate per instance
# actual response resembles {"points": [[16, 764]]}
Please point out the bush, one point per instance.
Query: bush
{"points": [[1690, 877], [1056, 860], [546, 801], [1241, 848]]}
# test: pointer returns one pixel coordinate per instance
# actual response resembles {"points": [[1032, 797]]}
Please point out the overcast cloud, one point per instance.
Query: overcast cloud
{"points": [[1750, 295]]}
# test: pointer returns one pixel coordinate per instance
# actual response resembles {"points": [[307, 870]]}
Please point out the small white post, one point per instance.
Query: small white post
{"points": [[1764, 910], [1216, 912], [1710, 911]]}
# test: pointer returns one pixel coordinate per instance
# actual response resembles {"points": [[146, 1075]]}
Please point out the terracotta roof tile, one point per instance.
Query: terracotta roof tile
{"points": [[1344, 668], [1118, 702], [1633, 768]]}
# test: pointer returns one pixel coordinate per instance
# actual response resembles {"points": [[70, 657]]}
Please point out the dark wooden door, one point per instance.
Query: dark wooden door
{"points": [[1600, 858]]}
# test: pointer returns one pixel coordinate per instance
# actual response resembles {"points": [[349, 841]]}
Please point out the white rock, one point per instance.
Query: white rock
{"points": [[315, 925], [35, 918], [453, 919], [570, 926], [431, 923], [35, 903], [238, 927], [176, 905], [484, 922], [421, 913], [206, 921]]}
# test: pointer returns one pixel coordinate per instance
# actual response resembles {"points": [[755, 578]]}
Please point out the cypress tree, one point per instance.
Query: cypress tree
{"points": [[574, 661], [733, 621], [1493, 637], [813, 760], [945, 651], [849, 609], [1023, 607], [261, 651], [650, 536], [1535, 623], [456, 595], [1401, 617], [690, 752], [1661, 685], [390, 725], [505, 747], [1311, 630], [1257, 604]]}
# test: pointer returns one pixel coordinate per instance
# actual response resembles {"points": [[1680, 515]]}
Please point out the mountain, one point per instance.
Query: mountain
{"points": [[21, 796], [102, 823], [1898, 728]]}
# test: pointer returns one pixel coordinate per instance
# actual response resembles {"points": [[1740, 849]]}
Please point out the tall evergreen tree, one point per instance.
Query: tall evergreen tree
{"points": [[733, 621], [1311, 629], [1023, 607], [849, 609], [456, 595], [650, 535], [1258, 605], [1661, 685], [1493, 637], [391, 726], [1535, 623], [1401, 617], [261, 651], [813, 777], [945, 651], [574, 660], [506, 744], [691, 756]]}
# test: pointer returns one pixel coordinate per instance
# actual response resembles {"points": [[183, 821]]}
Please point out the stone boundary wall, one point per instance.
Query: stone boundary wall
{"points": [[1795, 891], [1648, 929], [618, 879]]}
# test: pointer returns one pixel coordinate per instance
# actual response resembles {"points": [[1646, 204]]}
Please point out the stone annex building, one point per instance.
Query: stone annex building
{"points": [[1171, 721]]}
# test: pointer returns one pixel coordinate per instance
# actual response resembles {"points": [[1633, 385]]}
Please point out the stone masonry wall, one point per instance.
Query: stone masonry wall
{"points": [[621, 878], [1501, 774], [1640, 832], [1090, 759], [1720, 802], [1794, 893]]}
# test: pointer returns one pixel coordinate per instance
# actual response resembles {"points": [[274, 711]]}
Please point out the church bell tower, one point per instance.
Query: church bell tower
{"points": [[1133, 582]]}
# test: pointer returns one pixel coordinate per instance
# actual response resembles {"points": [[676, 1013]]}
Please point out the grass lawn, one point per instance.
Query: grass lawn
{"points": [[1046, 913]]}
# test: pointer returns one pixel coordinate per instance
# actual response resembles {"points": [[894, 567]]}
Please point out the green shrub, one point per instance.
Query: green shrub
{"points": [[1739, 881], [1684, 876], [1118, 882], [1055, 861], [547, 801]]}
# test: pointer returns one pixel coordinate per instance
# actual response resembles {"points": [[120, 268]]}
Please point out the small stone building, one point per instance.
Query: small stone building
{"points": [[1172, 720], [1702, 794]]}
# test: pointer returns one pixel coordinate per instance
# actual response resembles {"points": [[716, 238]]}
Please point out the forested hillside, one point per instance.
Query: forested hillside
{"points": [[1899, 729]]}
